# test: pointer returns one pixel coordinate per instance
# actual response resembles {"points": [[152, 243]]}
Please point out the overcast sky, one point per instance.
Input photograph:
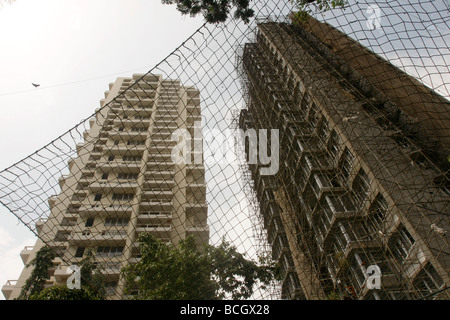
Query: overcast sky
{"points": [[75, 48]]}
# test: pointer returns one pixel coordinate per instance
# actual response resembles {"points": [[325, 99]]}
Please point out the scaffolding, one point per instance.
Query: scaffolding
{"points": [[336, 196]]}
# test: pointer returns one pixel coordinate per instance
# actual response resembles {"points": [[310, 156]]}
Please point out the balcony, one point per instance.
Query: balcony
{"points": [[159, 175], [327, 221], [101, 211], [156, 206], [197, 188], [78, 199], [201, 232], [132, 150], [163, 149], [167, 115], [161, 137], [86, 178], [157, 195], [110, 268], [138, 103], [274, 230], [132, 121], [154, 218], [25, 253], [160, 166], [110, 186], [88, 237], [52, 201], [196, 206], [61, 273], [127, 135], [62, 180], [324, 183], [161, 184], [40, 224], [162, 129], [158, 231], [120, 166], [161, 158], [8, 288], [194, 110]]}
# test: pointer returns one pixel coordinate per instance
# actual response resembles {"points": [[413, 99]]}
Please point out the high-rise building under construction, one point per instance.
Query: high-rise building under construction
{"points": [[359, 208], [129, 176]]}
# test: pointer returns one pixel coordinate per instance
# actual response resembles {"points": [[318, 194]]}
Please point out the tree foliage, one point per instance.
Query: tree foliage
{"points": [[214, 11], [36, 282], [306, 7], [184, 272], [92, 284], [62, 292], [92, 280]]}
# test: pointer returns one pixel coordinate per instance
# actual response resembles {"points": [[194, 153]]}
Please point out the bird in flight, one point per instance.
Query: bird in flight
{"points": [[36, 85]]}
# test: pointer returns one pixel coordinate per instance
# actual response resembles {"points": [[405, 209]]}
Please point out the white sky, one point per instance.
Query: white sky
{"points": [[63, 45]]}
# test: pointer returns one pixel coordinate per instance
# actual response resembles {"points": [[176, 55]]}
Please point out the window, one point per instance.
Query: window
{"points": [[118, 222], [131, 158], [142, 117], [314, 115], [346, 163], [361, 186], [111, 158], [290, 286], [152, 213], [286, 263], [127, 176], [352, 231], [342, 203], [109, 251], [135, 142], [89, 222], [98, 197], [362, 260], [428, 279], [323, 180], [110, 287], [122, 196], [104, 176], [377, 213], [333, 144], [305, 101], [268, 194], [402, 242], [323, 129], [73, 209], [298, 90], [79, 252], [139, 129], [323, 220], [443, 182]]}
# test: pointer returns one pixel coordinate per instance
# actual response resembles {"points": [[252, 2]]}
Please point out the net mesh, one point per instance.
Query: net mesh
{"points": [[363, 153]]}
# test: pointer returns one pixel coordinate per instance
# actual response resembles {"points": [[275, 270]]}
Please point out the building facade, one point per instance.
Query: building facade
{"points": [[359, 206], [128, 177]]}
